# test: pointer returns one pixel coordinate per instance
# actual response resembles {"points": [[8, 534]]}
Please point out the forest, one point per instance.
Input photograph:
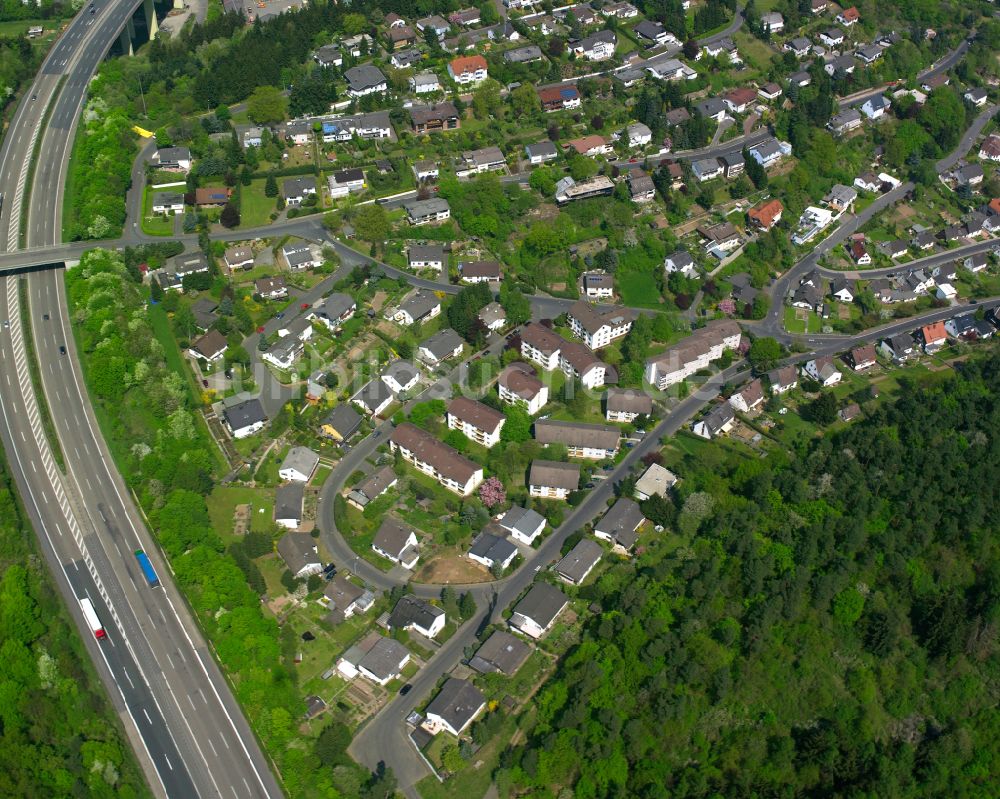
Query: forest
{"points": [[822, 623], [60, 735]]}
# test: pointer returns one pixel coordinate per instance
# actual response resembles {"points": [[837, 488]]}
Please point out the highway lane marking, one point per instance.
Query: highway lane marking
{"points": [[170, 660], [212, 745], [127, 677], [247, 784], [191, 702], [225, 742], [146, 714], [168, 762]]}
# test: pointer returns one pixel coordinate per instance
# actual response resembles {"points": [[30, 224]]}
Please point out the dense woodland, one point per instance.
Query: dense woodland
{"points": [[826, 624], [60, 736]]}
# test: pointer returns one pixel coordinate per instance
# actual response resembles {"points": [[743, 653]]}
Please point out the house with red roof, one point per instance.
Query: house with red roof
{"points": [[767, 214]]}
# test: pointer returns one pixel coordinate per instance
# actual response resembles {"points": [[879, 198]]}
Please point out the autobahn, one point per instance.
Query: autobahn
{"points": [[175, 705]]}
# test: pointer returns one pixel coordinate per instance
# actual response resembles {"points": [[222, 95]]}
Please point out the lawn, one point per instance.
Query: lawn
{"points": [[793, 324], [222, 503], [255, 206], [473, 780], [639, 289], [154, 224]]}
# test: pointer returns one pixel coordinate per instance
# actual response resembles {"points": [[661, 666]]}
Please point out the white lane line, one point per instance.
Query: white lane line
{"points": [[170, 660], [212, 745], [225, 742], [146, 714], [191, 702], [127, 677], [168, 762]]}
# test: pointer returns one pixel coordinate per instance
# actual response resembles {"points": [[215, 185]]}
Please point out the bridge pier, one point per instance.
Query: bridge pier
{"points": [[152, 26], [125, 39]]}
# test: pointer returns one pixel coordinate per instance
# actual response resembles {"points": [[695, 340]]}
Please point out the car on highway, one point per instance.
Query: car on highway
{"points": [[405, 689], [279, 315], [45, 316], [62, 349]]}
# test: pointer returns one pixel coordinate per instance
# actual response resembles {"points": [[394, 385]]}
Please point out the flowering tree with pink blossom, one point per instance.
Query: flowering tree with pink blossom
{"points": [[492, 493]]}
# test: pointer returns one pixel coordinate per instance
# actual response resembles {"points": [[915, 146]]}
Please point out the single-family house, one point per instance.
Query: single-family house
{"points": [[501, 653], [374, 397], [749, 398], [299, 465], [434, 117], [442, 345], [288, 501], [715, 423], [426, 256], [541, 152], [365, 79], [456, 705], [298, 551], [210, 347], [579, 562], [898, 348], [239, 257], [522, 524], [598, 46], [862, 358], [341, 423], [782, 379], [345, 181], [397, 542], [848, 17], [245, 418], [822, 371], [620, 525], [538, 610], [765, 215], [492, 551], [466, 70], [413, 614], [372, 487], [875, 107], [480, 272], [425, 212], [420, 306], [271, 288]]}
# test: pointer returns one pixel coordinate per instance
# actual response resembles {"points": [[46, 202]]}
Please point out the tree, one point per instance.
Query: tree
{"points": [[524, 102], [331, 744], [764, 353], [372, 223], [487, 101], [267, 105], [270, 186], [492, 492], [691, 48], [517, 428], [230, 216], [467, 605], [515, 304], [822, 410]]}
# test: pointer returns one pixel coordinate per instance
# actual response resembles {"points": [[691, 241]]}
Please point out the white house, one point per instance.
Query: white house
{"points": [[875, 107], [535, 614], [822, 371], [299, 465], [522, 524], [476, 421], [396, 542]]}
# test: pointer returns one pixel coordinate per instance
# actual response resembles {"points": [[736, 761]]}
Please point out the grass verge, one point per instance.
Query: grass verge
{"points": [[36, 377], [22, 233]]}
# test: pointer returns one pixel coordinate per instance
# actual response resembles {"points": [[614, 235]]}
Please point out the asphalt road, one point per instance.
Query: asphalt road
{"points": [[176, 708]]}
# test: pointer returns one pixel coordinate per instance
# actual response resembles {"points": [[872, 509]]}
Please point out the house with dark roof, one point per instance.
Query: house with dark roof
{"points": [[783, 379], [620, 525], [750, 398], [537, 611], [365, 79], [579, 562], [492, 550], [343, 596], [210, 347], [245, 418], [454, 708], [899, 348], [299, 552], [501, 653], [374, 397], [397, 542], [442, 345], [717, 422], [372, 487], [288, 501], [341, 423], [415, 614], [401, 376]]}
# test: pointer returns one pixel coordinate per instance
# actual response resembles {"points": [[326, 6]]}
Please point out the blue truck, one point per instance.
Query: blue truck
{"points": [[147, 568]]}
